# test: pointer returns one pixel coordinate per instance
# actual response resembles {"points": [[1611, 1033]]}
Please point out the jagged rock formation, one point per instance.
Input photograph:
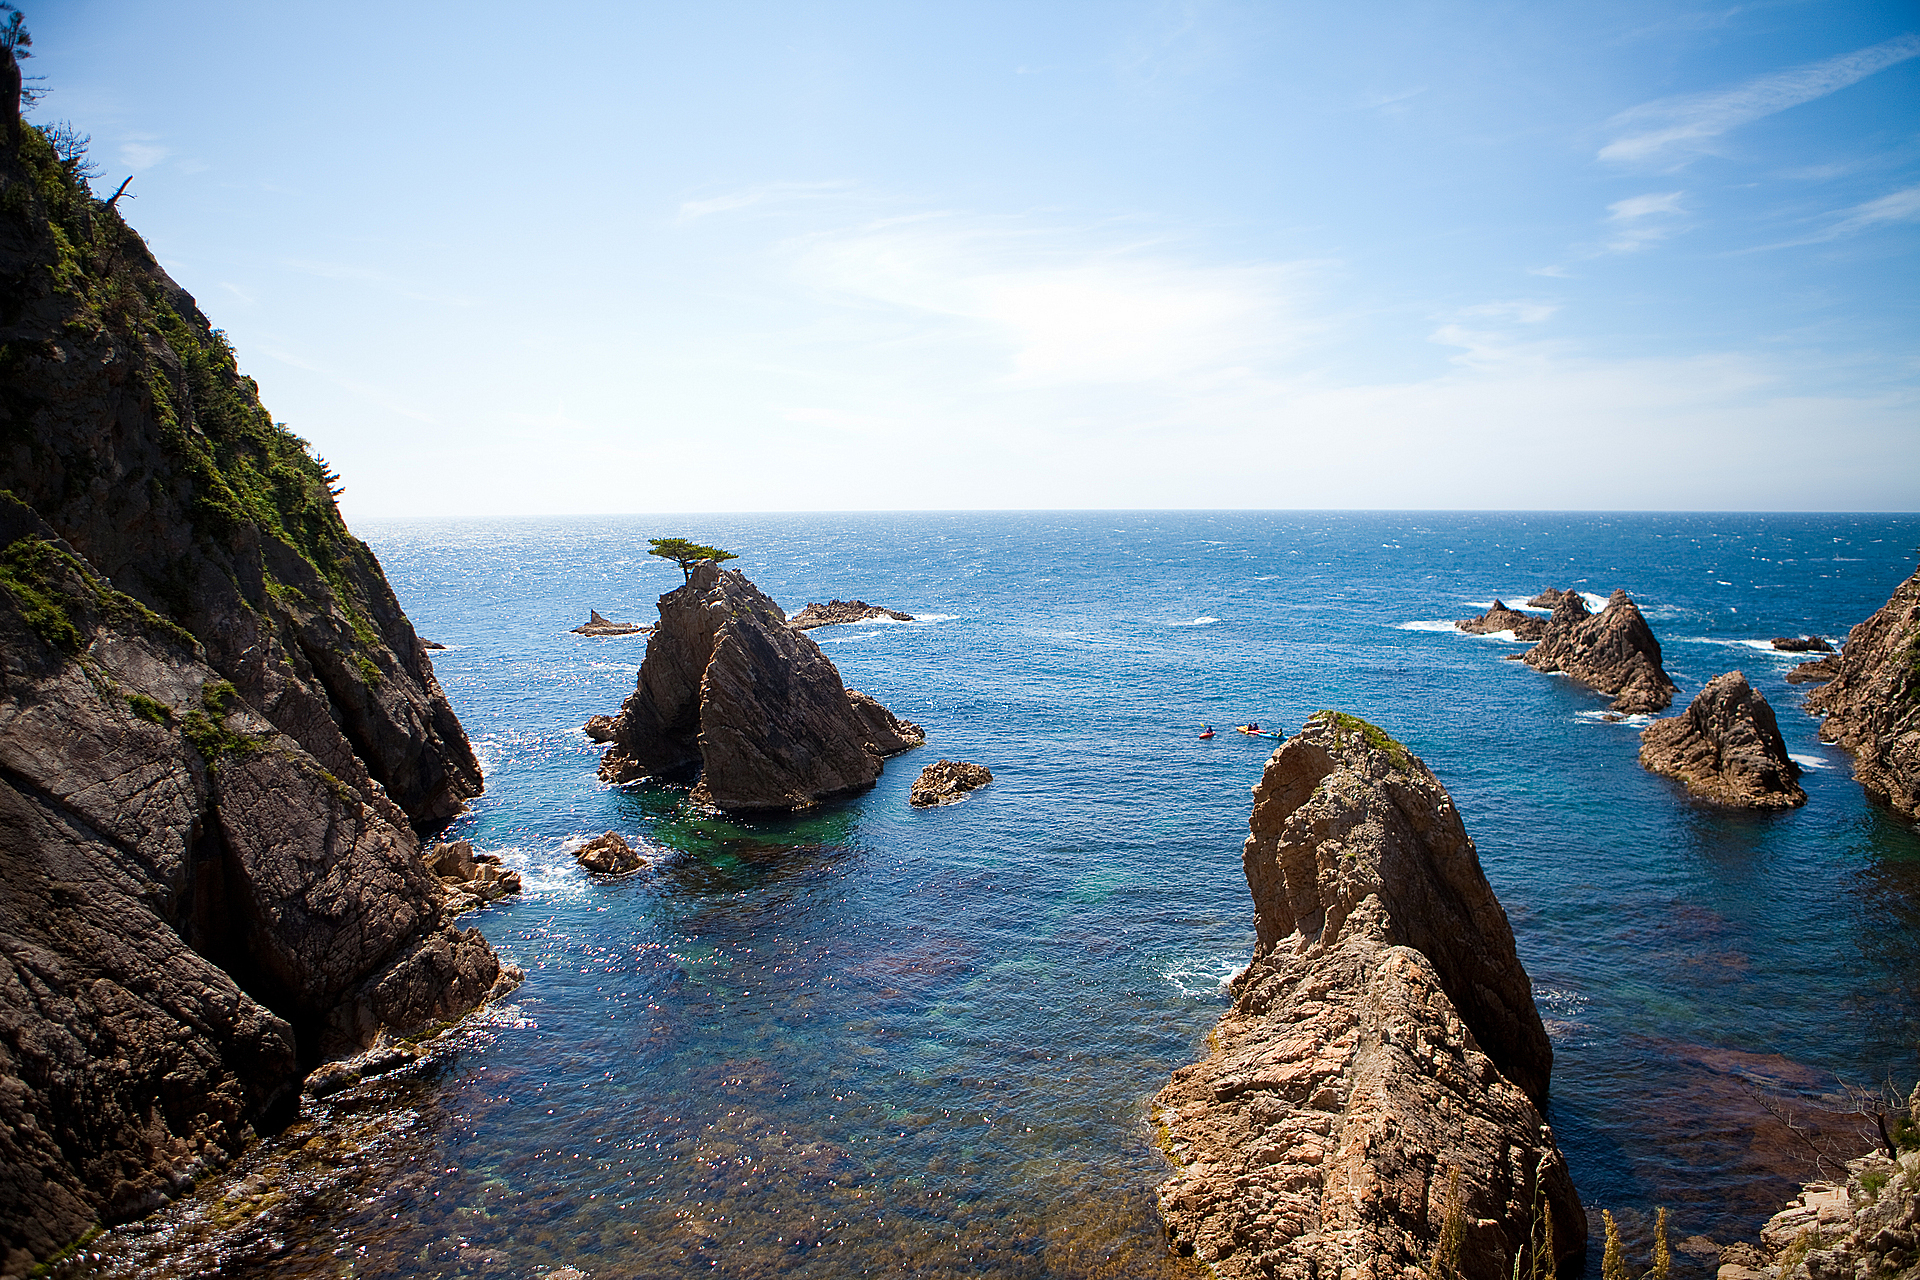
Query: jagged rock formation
{"points": [[598, 728], [1501, 618], [219, 738], [595, 625], [1382, 1042], [1802, 644], [1872, 704], [731, 694], [1612, 651], [609, 854], [1548, 599], [472, 879], [835, 612], [947, 782], [1726, 747]]}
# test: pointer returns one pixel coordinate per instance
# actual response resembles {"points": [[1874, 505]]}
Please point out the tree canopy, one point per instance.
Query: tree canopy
{"points": [[686, 554]]}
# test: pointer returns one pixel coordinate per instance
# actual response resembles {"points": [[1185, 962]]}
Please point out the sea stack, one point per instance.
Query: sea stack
{"points": [[1612, 651], [732, 697], [837, 612], [1726, 747], [1872, 704], [1382, 1071], [220, 743]]}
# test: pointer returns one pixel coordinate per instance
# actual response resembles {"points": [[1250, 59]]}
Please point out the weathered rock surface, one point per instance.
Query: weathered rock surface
{"points": [[1383, 1040], [599, 728], [733, 696], [609, 854], [595, 625], [1726, 746], [1802, 644], [1612, 651], [1547, 599], [1868, 1226], [1872, 704], [1815, 671], [471, 879], [1501, 618], [835, 612], [946, 782], [219, 738]]}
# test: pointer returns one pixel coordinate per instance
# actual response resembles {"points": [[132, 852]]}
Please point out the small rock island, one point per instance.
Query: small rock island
{"points": [[595, 625], [1379, 1080], [747, 707], [1612, 651], [836, 612], [1726, 747], [947, 782], [1502, 618]]}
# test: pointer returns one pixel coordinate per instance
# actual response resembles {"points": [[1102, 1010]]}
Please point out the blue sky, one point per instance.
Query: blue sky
{"points": [[497, 259]]}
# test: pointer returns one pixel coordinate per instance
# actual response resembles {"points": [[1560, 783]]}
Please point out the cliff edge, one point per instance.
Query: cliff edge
{"points": [[731, 696], [1374, 1092], [220, 740], [1872, 703]]}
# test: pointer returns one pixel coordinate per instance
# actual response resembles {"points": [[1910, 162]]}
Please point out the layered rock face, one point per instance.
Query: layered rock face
{"points": [[1501, 618], [1726, 746], [1383, 1067], [835, 612], [1872, 704], [1612, 651], [212, 766], [728, 692]]}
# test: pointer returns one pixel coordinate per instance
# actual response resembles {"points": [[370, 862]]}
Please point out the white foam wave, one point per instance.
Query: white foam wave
{"points": [[1594, 602], [1614, 717], [1809, 762], [1205, 975], [1761, 646], [844, 638], [1197, 622], [1429, 625]]}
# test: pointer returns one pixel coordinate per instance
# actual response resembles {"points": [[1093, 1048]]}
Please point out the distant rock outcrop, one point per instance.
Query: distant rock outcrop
{"points": [[1726, 747], [1612, 651], [1872, 704], [1802, 644], [1501, 618], [835, 612], [595, 625], [1547, 599], [947, 781], [1379, 1078], [1816, 671], [733, 696], [609, 854]]}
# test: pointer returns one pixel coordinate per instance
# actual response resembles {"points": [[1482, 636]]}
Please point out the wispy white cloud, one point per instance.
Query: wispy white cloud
{"points": [[1658, 130], [1639, 221], [1889, 210], [142, 153]]}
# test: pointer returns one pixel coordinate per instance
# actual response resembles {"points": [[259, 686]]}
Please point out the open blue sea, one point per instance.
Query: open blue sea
{"points": [[875, 1040]]}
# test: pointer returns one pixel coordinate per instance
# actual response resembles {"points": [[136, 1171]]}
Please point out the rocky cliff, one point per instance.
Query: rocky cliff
{"points": [[1872, 703], [219, 738], [732, 696], [1502, 618], [1726, 746], [1375, 1090], [1612, 651]]}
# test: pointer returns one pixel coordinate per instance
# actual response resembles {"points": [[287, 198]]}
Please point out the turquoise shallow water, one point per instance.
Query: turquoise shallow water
{"points": [[876, 1040]]}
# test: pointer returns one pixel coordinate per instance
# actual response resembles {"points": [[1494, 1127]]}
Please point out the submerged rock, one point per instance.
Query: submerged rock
{"points": [[1872, 704], [835, 612], [947, 781], [1802, 644], [1612, 651], [1726, 747], [1501, 618], [609, 854], [733, 696], [595, 625], [1382, 1069]]}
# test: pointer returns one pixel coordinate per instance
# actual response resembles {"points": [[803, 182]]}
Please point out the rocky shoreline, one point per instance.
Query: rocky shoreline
{"points": [[1872, 700]]}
